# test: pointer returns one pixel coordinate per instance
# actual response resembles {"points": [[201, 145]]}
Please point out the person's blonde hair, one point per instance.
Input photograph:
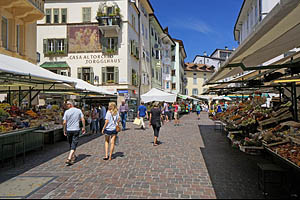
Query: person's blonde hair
{"points": [[113, 108]]}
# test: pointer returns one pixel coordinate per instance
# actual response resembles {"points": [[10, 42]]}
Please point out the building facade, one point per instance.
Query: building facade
{"points": [[105, 43], [156, 32], [18, 28], [196, 75], [251, 14], [177, 73]]}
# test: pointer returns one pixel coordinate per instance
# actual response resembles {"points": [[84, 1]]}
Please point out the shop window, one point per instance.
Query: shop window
{"points": [[86, 74], [48, 16], [56, 15], [64, 15], [86, 14], [110, 75], [4, 32], [55, 47]]}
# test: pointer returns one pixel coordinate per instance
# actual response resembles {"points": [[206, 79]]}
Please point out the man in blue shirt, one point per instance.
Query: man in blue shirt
{"points": [[142, 113]]}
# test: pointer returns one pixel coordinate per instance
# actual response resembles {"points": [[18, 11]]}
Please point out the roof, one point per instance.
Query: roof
{"points": [[199, 68], [55, 65], [227, 50], [181, 45], [213, 58], [157, 21], [238, 19]]}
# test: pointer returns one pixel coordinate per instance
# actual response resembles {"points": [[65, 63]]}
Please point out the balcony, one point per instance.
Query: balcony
{"points": [[27, 10], [109, 25]]}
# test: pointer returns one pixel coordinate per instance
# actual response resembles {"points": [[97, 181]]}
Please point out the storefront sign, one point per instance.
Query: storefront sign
{"points": [[123, 91], [96, 59]]}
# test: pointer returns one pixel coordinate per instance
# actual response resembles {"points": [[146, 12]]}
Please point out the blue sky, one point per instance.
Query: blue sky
{"points": [[203, 25]]}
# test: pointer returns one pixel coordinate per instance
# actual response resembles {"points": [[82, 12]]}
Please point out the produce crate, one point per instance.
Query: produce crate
{"points": [[280, 111], [267, 123], [252, 150], [275, 144]]}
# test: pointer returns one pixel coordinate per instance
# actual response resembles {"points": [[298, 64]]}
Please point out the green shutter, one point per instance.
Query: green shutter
{"points": [[116, 43], [79, 72], [56, 45], [45, 46], [116, 75], [92, 79], [104, 42], [104, 75], [66, 46]]}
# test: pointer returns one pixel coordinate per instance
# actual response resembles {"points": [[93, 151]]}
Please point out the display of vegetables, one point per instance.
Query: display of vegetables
{"points": [[289, 151]]}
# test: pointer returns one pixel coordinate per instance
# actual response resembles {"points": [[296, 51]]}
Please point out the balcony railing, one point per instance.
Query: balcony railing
{"points": [[109, 20], [38, 4]]}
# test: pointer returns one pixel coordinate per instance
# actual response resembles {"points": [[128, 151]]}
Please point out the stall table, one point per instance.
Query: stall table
{"points": [[52, 136]]}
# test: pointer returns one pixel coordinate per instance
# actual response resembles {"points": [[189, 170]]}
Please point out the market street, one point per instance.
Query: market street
{"points": [[174, 169]]}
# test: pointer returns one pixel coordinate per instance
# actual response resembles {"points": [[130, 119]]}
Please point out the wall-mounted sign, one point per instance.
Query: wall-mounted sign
{"points": [[96, 59], [123, 91]]}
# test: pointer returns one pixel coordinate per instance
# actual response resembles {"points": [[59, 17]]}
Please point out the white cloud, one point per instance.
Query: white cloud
{"points": [[194, 25]]}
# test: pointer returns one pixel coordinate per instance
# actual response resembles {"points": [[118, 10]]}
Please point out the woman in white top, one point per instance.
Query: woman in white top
{"points": [[112, 120]]}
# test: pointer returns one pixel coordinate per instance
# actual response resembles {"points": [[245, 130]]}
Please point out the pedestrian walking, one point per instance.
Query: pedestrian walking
{"points": [[95, 117], [111, 129], [142, 113], [198, 109], [166, 111], [124, 113], [155, 121], [102, 117], [71, 122], [176, 113]]}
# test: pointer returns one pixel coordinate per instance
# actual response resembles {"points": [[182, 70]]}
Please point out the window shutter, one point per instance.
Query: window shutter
{"points": [[105, 10], [104, 43], [116, 75], [92, 76], [66, 46], [79, 72], [116, 42], [56, 46], [45, 45], [104, 75], [131, 47]]}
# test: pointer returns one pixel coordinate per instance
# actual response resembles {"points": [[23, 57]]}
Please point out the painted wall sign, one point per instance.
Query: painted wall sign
{"points": [[96, 59]]}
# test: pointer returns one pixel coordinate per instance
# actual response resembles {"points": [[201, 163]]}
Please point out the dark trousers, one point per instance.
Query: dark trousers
{"points": [[156, 130], [102, 123], [73, 138]]}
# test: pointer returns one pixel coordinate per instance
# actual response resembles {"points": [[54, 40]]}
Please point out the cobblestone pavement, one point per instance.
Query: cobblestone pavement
{"points": [[174, 169]]}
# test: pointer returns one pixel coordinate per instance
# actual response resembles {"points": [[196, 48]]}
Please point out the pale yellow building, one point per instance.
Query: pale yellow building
{"points": [[18, 28], [195, 76]]}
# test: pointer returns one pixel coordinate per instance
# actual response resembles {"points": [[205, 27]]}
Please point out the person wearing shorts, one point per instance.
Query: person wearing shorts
{"points": [[71, 124], [198, 109], [112, 120]]}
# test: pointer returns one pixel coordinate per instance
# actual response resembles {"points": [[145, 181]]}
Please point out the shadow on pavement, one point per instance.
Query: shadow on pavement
{"points": [[81, 157], [38, 157], [232, 172], [118, 155]]}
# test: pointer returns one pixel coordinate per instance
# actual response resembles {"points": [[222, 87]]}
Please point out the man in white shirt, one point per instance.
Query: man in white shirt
{"points": [[71, 124]]}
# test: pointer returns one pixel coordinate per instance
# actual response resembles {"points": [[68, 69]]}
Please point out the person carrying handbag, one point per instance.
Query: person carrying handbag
{"points": [[156, 120], [111, 129]]}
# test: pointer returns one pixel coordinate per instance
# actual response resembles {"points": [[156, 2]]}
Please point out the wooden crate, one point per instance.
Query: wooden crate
{"points": [[251, 150], [280, 111]]}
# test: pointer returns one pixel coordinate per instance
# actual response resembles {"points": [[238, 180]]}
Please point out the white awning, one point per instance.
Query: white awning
{"points": [[24, 74], [278, 33], [156, 95]]}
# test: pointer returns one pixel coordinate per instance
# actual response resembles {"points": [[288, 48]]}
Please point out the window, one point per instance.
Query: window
{"points": [[110, 75], [143, 29], [48, 16], [4, 32], [186, 91], [110, 10], [173, 86], [167, 70], [153, 73], [155, 37], [38, 55], [134, 50], [195, 81], [157, 54], [157, 75], [135, 78], [133, 21], [195, 92], [174, 72], [18, 38], [173, 58], [55, 47], [86, 14], [86, 74], [64, 15], [109, 45], [152, 32], [56, 15], [146, 33]]}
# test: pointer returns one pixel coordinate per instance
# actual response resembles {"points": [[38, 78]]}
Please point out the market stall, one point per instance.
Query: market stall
{"points": [[158, 96]]}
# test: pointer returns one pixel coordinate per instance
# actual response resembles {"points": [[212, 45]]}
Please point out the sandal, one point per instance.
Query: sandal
{"points": [[105, 158], [69, 162]]}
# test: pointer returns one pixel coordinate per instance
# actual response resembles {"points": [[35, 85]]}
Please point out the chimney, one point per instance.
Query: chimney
{"points": [[226, 47], [205, 53], [233, 48]]}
